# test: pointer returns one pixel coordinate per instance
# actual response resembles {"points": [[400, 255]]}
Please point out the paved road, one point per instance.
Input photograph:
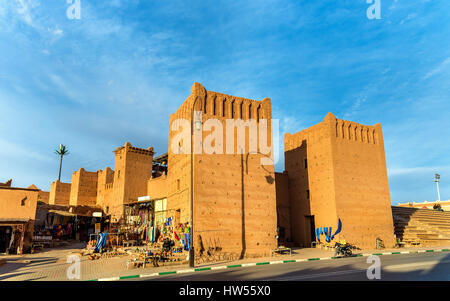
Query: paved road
{"points": [[408, 267]]}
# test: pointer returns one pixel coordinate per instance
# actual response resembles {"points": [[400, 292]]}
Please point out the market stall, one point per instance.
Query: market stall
{"points": [[149, 233]]}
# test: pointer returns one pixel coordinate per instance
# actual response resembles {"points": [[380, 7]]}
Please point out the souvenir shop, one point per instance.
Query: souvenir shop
{"points": [[64, 225], [149, 222]]}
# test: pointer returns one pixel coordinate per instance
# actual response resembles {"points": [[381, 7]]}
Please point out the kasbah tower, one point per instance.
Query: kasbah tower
{"points": [[234, 195], [337, 170]]}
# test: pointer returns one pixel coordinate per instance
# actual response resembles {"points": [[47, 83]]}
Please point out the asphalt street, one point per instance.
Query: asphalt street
{"points": [[402, 267]]}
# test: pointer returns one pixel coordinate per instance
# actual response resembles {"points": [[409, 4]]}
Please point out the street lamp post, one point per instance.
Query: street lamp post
{"points": [[198, 125], [436, 179]]}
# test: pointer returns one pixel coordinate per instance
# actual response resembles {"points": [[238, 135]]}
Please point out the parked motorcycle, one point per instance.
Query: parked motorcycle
{"points": [[343, 249]]}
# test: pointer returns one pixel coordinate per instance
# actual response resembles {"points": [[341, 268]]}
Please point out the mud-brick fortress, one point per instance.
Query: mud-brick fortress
{"points": [[334, 185], [336, 170]]}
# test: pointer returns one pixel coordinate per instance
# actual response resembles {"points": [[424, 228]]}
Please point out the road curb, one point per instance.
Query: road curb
{"points": [[233, 266]]}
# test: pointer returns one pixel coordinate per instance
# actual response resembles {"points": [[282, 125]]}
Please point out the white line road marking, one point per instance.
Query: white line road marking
{"points": [[148, 275], [185, 271], [276, 262], [219, 268], [109, 279]]}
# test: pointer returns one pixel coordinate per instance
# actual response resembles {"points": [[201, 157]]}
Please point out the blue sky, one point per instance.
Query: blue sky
{"points": [[116, 74]]}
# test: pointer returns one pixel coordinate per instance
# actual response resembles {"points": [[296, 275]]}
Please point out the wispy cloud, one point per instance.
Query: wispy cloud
{"points": [[7, 148], [415, 170], [444, 64]]}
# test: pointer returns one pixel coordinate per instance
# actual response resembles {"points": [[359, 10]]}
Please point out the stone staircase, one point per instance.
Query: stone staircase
{"points": [[421, 226]]}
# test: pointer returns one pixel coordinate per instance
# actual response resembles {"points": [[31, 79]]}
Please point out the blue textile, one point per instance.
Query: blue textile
{"points": [[338, 229], [101, 242]]}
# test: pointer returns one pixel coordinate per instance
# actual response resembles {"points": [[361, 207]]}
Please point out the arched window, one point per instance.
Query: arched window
{"points": [[223, 107], [232, 108]]}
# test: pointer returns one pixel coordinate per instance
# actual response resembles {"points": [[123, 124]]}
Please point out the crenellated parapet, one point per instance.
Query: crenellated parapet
{"points": [[218, 105], [356, 132], [332, 127], [132, 149]]}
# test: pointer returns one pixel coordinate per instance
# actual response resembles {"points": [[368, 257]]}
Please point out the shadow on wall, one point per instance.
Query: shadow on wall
{"points": [[296, 164], [244, 248]]}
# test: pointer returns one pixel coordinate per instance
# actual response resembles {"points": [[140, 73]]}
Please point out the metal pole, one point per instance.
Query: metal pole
{"points": [[191, 246], [439, 195], [436, 179]]}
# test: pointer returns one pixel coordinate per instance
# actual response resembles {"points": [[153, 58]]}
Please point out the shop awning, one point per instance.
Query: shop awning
{"points": [[14, 220], [63, 213]]}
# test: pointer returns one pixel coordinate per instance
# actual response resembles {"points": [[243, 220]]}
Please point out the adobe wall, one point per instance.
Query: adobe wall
{"points": [[317, 177], [445, 205], [105, 188], [362, 188], [44, 196], [84, 188], [346, 177], [283, 205], [179, 171], [234, 196], [133, 169], [138, 170], [157, 187], [60, 193], [11, 203]]}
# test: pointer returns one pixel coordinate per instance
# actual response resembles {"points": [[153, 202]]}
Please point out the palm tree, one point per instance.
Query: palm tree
{"points": [[62, 151]]}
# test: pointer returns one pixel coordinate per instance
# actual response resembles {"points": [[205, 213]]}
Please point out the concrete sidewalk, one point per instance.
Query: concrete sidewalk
{"points": [[51, 265]]}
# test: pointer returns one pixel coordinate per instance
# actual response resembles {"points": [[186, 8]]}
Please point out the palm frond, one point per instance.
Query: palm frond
{"points": [[62, 151]]}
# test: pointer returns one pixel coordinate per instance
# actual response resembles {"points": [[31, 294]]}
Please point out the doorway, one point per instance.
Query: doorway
{"points": [[311, 229], [5, 238]]}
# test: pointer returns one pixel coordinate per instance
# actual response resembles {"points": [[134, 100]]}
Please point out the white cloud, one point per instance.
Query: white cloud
{"points": [[24, 11], [8, 148], [409, 17], [438, 68], [415, 170], [58, 32]]}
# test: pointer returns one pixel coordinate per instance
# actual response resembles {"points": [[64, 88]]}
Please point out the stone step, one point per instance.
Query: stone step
{"points": [[425, 226]]}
